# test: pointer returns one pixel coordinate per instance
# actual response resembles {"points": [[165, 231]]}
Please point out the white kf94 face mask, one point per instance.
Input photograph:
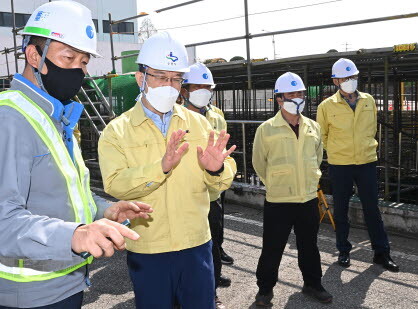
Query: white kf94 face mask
{"points": [[200, 98], [349, 86], [294, 106], [162, 98]]}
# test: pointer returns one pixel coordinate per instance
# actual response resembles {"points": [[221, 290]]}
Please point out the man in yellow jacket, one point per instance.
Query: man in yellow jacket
{"points": [[225, 258], [287, 153], [153, 153], [348, 122], [197, 93]]}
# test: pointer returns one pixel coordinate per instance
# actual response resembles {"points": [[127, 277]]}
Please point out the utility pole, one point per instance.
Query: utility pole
{"points": [[274, 43], [346, 45], [247, 41]]}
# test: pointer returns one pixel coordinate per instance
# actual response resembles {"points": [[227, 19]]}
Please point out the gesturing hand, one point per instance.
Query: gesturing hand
{"points": [[122, 210], [174, 153], [213, 157], [101, 238]]}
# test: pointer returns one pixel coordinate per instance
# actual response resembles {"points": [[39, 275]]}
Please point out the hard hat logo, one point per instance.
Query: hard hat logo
{"points": [[42, 15], [172, 57], [57, 35], [348, 68], [294, 83], [90, 32], [205, 76]]}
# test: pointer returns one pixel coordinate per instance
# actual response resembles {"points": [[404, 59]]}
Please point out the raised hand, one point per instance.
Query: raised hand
{"points": [[174, 153], [213, 157]]}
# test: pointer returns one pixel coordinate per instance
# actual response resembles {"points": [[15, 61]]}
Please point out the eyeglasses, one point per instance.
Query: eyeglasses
{"points": [[354, 77], [163, 79]]}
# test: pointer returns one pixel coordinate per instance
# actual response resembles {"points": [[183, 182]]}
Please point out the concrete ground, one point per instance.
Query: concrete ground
{"points": [[363, 285]]}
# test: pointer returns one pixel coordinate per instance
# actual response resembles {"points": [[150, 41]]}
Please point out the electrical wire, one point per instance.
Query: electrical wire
{"points": [[252, 14]]}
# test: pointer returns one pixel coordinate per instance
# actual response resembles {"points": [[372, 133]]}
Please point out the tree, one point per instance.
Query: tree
{"points": [[146, 30], [236, 58]]}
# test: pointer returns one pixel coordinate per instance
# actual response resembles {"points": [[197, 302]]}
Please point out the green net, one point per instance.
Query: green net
{"points": [[124, 91]]}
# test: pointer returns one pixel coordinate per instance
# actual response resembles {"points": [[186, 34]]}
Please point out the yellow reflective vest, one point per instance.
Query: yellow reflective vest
{"points": [[77, 179], [349, 136], [131, 149], [287, 165]]}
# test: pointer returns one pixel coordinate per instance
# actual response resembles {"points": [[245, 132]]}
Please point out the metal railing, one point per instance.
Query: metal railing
{"points": [[391, 182], [244, 142]]}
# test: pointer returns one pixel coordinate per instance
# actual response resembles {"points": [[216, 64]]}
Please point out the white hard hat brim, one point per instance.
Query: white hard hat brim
{"points": [[185, 70], [84, 50], [352, 74], [197, 83]]}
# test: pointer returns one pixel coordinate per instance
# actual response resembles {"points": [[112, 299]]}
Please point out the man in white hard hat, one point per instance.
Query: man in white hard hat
{"points": [[46, 207], [225, 258], [197, 93], [153, 153], [287, 153], [348, 122]]}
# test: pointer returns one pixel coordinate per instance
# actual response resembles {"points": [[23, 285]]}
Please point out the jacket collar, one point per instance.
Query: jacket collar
{"points": [[51, 106], [66, 116], [279, 121], [338, 98]]}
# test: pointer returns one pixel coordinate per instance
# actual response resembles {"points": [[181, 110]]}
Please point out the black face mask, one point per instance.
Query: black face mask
{"points": [[62, 84]]}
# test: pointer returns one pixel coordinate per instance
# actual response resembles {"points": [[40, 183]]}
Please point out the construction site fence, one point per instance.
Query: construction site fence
{"points": [[397, 136]]}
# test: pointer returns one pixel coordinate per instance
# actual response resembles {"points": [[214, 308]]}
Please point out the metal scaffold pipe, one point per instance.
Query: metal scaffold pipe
{"points": [[247, 44], [14, 35], [327, 26]]}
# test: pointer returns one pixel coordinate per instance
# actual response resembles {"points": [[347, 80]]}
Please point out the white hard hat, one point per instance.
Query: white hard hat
{"points": [[344, 68], [199, 74], [289, 82], [68, 22], [163, 52]]}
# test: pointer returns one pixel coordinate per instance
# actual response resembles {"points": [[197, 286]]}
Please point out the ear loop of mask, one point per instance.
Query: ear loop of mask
{"points": [[186, 100], [37, 72], [143, 81]]}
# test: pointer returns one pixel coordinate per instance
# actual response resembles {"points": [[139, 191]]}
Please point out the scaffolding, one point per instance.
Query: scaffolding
{"points": [[389, 74], [245, 93]]}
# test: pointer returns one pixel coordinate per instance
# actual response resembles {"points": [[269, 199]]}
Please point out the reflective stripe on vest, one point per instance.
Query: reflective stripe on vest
{"points": [[85, 174], [79, 191]]}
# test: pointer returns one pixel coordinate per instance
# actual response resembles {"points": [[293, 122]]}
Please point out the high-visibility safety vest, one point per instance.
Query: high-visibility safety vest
{"points": [[77, 179]]}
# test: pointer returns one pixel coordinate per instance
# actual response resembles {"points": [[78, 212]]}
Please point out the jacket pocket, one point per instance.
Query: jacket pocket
{"points": [[141, 154], [281, 180]]}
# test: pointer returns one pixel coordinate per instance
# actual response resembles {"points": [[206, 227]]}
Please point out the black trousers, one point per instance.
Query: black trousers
{"points": [[215, 223], [365, 177], [72, 302], [279, 218]]}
